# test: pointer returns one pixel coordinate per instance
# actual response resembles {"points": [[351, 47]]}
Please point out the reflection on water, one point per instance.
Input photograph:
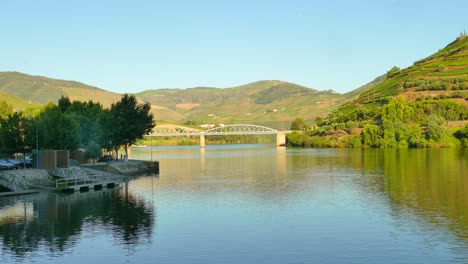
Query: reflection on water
{"points": [[258, 204], [54, 222]]}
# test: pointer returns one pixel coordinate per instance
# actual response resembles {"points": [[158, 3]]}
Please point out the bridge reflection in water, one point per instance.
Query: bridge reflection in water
{"points": [[239, 129]]}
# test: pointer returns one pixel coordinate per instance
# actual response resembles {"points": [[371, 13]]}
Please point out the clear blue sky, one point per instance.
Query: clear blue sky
{"points": [[130, 46]]}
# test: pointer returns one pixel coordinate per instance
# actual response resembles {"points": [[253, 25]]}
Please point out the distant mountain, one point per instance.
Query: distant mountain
{"points": [[273, 103], [42, 90]]}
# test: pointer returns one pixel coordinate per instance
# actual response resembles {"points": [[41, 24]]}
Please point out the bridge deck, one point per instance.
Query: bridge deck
{"points": [[240, 129]]}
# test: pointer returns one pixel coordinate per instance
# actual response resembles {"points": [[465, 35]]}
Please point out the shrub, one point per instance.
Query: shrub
{"points": [[295, 139]]}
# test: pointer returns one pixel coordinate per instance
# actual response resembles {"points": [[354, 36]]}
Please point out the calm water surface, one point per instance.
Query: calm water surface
{"points": [[255, 204]]}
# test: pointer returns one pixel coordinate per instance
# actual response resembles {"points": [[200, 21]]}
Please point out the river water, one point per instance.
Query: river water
{"points": [[255, 204]]}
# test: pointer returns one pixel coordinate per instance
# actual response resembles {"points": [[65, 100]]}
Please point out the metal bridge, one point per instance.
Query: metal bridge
{"points": [[240, 129]]}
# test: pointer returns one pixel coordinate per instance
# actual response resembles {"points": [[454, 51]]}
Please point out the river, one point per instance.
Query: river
{"points": [[255, 204]]}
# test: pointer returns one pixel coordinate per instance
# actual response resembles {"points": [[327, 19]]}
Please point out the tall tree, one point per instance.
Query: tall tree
{"points": [[299, 124], [58, 130], [129, 121], [16, 132]]}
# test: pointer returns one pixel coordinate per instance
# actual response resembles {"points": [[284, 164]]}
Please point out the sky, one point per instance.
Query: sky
{"points": [[131, 46]]}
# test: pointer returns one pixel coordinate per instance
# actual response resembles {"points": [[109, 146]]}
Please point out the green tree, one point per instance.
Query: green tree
{"points": [[371, 136], [435, 129], [128, 121], [397, 110], [295, 139], [393, 71], [16, 132], [64, 103], [93, 151], [5, 109], [299, 124], [89, 115], [462, 135], [58, 130]]}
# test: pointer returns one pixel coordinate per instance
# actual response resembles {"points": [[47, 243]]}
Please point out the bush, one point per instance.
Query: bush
{"points": [[434, 130], [462, 135], [299, 124], [295, 139], [393, 72]]}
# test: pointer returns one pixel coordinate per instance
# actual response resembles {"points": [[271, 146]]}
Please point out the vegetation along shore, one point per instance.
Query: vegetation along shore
{"points": [[422, 106]]}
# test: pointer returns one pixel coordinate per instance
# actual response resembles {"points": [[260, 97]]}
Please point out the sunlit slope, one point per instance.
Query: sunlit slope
{"points": [[263, 102], [441, 76], [42, 90]]}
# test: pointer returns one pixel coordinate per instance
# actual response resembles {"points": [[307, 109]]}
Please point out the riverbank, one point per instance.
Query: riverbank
{"points": [[19, 181], [126, 168]]}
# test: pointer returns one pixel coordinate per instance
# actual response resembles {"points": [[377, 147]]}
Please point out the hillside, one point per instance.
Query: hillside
{"points": [[272, 103], [18, 104], [366, 87], [444, 72], [424, 105], [41, 90], [441, 76]]}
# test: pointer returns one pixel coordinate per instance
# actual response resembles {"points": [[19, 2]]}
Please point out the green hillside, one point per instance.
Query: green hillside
{"points": [[424, 105], [443, 75], [272, 103], [366, 87], [42, 90], [18, 104]]}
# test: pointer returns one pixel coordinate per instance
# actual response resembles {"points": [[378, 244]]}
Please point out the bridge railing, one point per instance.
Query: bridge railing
{"points": [[239, 129]]}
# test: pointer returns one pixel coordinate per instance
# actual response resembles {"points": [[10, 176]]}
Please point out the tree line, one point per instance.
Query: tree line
{"points": [[75, 125], [396, 123]]}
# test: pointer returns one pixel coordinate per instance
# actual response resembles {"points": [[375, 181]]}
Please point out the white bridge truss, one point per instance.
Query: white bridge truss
{"points": [[242, 129]]}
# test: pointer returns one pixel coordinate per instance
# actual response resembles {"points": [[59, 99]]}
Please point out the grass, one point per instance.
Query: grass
{"points": [[42, 90], [17, 103]]}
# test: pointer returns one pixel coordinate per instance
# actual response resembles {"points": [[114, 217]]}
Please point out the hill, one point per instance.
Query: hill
{"points": [[19, 104], [424, 105], [441, 76], [42, 90], [272, 103], [366, 87]]}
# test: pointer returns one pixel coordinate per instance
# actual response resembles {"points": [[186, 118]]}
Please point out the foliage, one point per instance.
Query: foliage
{"points": [[5, 109], [371, 136], [393, 72], [294, 139], [128, 121], [435, 130], [390, 114], [93, 151], [16, 134], [462, 135], [71, 125], [58, 130], [299, 124]]}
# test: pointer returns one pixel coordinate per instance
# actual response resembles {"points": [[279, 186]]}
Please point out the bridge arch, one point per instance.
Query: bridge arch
{"points": [[241, 129], [237, 129], [174, 130]]}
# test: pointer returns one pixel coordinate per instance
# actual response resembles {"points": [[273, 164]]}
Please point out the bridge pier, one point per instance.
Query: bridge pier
{"points": [[202, 140], [281, 139]]}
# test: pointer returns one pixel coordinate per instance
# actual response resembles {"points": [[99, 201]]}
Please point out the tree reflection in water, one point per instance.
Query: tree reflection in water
{"points": [[59, 220]]}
